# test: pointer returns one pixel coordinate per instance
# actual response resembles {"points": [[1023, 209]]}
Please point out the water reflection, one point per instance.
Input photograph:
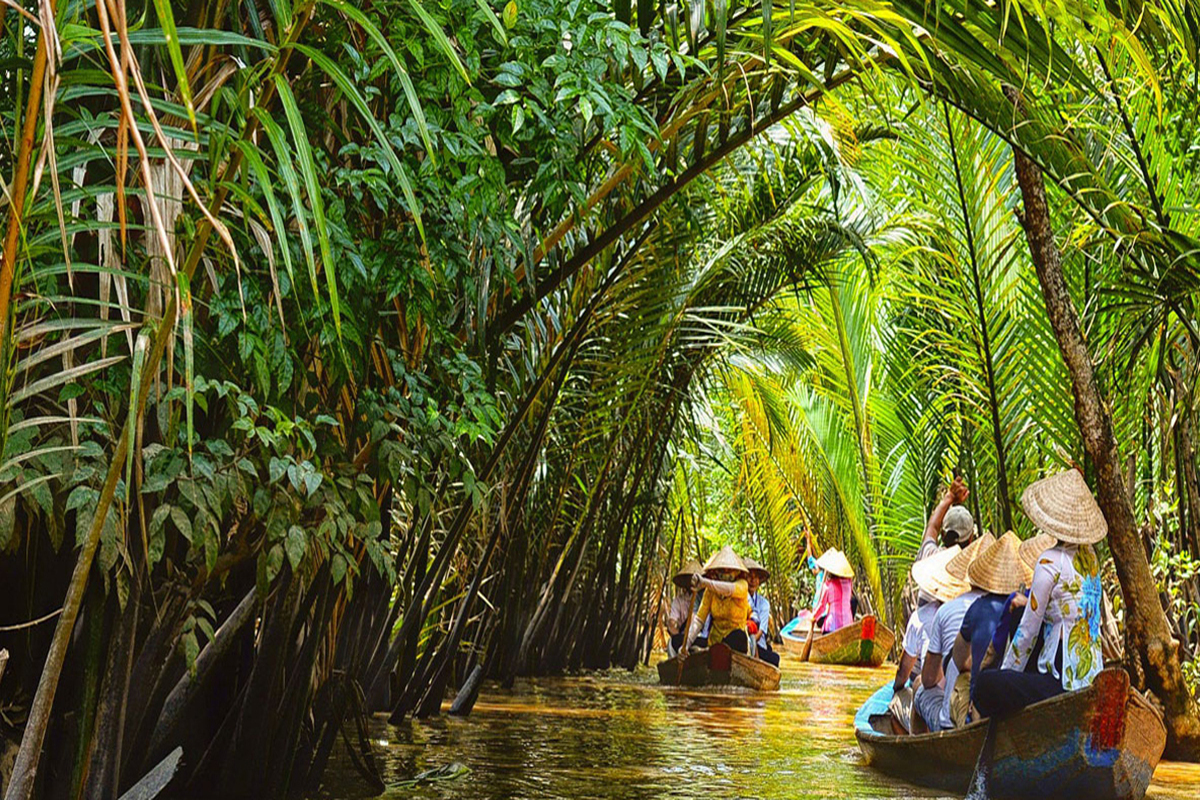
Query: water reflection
{"points": [[618, 736]]}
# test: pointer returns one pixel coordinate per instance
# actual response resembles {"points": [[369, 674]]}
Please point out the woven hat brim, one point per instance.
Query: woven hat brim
{"points": [[931, 576], [754, 567], [958, 565], [686, 572], [1062, 505], [834, 562], [725, 558], [1031, 549], [999, 568]]}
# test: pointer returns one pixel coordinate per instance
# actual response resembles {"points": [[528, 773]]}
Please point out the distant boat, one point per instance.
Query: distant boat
{"points": [[863, 643], [719, 666], [1097, 743]]}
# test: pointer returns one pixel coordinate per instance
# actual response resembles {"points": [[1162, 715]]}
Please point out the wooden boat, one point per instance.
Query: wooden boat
{"points": [[863, 643], [1097, 743], [719, 666]]}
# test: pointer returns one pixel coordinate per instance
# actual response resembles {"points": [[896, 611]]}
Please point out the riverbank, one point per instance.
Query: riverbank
{"points": [[618, 736]]}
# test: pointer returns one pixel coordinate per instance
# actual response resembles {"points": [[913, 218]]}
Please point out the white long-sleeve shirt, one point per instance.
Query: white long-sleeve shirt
{"points": [[1064, 607]]}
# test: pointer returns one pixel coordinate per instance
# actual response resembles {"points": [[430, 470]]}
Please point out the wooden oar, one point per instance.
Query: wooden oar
{"points": [[681, 655], [804, 653]]}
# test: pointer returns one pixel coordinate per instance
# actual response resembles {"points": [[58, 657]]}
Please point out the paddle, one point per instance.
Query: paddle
{"points": [[812, 624], [681, 656], [983, 767]]}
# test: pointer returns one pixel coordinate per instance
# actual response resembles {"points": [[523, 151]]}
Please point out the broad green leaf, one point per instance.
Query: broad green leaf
{"points": [[296, 545]]}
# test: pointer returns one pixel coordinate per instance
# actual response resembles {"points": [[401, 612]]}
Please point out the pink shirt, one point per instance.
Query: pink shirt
{"points": [[835, 599]]}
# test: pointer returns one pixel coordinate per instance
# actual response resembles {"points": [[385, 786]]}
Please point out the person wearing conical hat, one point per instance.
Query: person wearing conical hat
{"points": [[938, 672], [931, 577], [726, 599], [1010, 617], [679, 614], [833, 607], [760, 613], [1000, 573], [1063, 612]]}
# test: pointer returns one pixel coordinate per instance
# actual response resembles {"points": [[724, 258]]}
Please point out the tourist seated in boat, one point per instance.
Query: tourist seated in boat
{"points": [[1010, 617], [726, 599], [1000, 573], [932, 579], [833, 606], [1062, 620], [938, 672], [950, 523], [683, 605], [760, 613]]}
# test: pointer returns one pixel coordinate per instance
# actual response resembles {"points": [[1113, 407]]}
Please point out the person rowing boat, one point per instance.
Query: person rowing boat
{"points": [[683, 605], [726, 599]]}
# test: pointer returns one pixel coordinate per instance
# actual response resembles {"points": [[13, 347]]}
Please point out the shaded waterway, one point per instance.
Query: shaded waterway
{"points": [[619, 736]]}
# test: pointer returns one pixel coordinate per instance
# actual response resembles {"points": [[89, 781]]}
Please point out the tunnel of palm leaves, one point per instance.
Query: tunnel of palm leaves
{"points": [[791, 285]]}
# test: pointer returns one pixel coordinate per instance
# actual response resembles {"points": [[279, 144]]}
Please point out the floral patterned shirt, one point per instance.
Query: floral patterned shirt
{"points": [[1064, 607]]}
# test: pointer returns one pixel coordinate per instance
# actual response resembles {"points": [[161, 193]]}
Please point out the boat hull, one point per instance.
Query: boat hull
{"points": [[863, 643], [719, 666], [1098, 743]]}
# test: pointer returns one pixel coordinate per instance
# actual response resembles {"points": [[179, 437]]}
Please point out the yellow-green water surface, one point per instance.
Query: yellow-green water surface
{"points": [[619, 736]]}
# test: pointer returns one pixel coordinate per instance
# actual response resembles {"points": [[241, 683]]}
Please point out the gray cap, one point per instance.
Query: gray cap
{"points": [[959, 520]]}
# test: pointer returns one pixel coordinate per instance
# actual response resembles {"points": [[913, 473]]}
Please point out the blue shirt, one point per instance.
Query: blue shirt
{"points": [[760, 612], [812, 564], [978, 626]]}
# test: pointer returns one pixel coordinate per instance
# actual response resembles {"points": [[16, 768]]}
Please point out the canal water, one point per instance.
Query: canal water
{"points": [[619, 736]]}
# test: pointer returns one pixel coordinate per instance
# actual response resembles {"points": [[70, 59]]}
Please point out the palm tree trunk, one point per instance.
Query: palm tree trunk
{"points": [[984, 333], [1153, 653]]}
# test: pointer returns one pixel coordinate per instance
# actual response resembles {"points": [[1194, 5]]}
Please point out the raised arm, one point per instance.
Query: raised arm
{"points": [[738, 589], [956, 493]]}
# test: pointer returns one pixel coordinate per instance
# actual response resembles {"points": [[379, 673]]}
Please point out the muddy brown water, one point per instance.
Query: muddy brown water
{"points": [[619, 736]]}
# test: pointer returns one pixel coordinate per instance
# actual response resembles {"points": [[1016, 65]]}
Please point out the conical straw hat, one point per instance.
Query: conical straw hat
{"points": [[1030, 549], [958, 565], [834, 562], [754, 566], [1063, 506], [684, 576], [725, 558], [999, 569], [930, 574]]}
